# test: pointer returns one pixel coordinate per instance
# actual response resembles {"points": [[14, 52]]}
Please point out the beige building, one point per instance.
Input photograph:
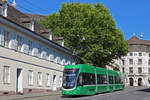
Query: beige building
{"points": [[31, 60], [136, 65]]}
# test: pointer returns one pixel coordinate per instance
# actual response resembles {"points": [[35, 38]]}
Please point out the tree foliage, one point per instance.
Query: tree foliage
{"points": [[90, 31]]}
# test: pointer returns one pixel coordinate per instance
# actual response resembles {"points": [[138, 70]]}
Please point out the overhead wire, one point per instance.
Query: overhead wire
{"points": [[29, 10], [38, 7], [22, 7]]}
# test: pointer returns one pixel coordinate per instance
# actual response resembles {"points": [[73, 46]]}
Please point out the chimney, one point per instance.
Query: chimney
{"points": [[4, 8], [50, 35], [14, 3], [32, 25]]}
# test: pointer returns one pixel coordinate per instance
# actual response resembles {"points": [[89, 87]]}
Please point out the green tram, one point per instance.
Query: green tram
{"points": [[84, 79]]}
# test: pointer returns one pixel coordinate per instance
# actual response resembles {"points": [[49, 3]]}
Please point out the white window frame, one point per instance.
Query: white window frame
{"points": [[6, 75], [47, 79], [40, 78], [30, 77]]}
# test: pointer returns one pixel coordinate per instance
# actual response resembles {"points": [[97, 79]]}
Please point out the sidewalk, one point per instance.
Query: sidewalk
{"points": [[29, 95]]}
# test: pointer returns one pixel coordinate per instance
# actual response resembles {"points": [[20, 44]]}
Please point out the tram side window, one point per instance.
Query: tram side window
{"points": [[87, 79], [117, 80], [101, 79], [110, 79]]}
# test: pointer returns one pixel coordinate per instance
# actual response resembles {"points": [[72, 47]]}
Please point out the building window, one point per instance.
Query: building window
{"points": [[139, 61], [40, 78], [19, 45], [123, 62], [47, 52], [27, 25], [130, 69], [140, 47], [131, 46], [135, 54], [40, 50], [140, 54], [123, 70], [30, 77], [6, 75], [140, 70], [47, 79], [131, 54], [148, 62], [149, 55], [54, 52], [131, 61], [148, 70], [6, 38], [30, 47]]}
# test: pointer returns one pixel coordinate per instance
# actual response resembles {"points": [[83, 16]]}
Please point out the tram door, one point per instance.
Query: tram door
{"points": [[131, 81]]}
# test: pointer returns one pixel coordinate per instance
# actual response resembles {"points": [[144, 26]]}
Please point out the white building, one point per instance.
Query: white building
{"points": [[29, 59], [136, 65]]}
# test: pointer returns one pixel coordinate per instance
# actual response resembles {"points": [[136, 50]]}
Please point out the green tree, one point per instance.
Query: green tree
{"points": [[90, 31]]}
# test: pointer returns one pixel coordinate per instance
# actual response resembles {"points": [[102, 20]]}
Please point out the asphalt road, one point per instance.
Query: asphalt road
{"points": [[130, 93]]}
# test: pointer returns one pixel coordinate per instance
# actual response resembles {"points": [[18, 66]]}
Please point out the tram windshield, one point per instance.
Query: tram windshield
{"points": [[69, 78]]}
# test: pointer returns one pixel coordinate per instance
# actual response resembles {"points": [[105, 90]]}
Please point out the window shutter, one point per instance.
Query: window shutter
{"points": [[0, 36], [8, 74]]}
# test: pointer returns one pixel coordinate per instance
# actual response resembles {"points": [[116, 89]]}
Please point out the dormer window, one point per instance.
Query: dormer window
{"points": [[4, 9], [60, 40], [30, 25]]}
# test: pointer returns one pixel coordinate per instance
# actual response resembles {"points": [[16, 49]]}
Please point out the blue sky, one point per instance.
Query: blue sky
{"points": [[131, 16]]}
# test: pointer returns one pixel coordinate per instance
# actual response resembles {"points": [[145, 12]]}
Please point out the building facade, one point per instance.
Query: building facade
{"points": [[136, 65], [30, 61]]}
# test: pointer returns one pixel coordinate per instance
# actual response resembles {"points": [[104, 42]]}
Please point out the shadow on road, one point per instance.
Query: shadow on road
{"points": [[82, 96], [79, 96], [145, 90]]}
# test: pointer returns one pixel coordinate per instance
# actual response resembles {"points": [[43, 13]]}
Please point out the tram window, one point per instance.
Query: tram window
{"points": [[117, 80], [88, 79], [80, 80], [110, 79], [101, 79]]}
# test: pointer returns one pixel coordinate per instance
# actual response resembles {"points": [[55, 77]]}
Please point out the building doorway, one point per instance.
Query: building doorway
{"points": [[54, 83], [131, 81], [140, 82], [19, 81]]}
